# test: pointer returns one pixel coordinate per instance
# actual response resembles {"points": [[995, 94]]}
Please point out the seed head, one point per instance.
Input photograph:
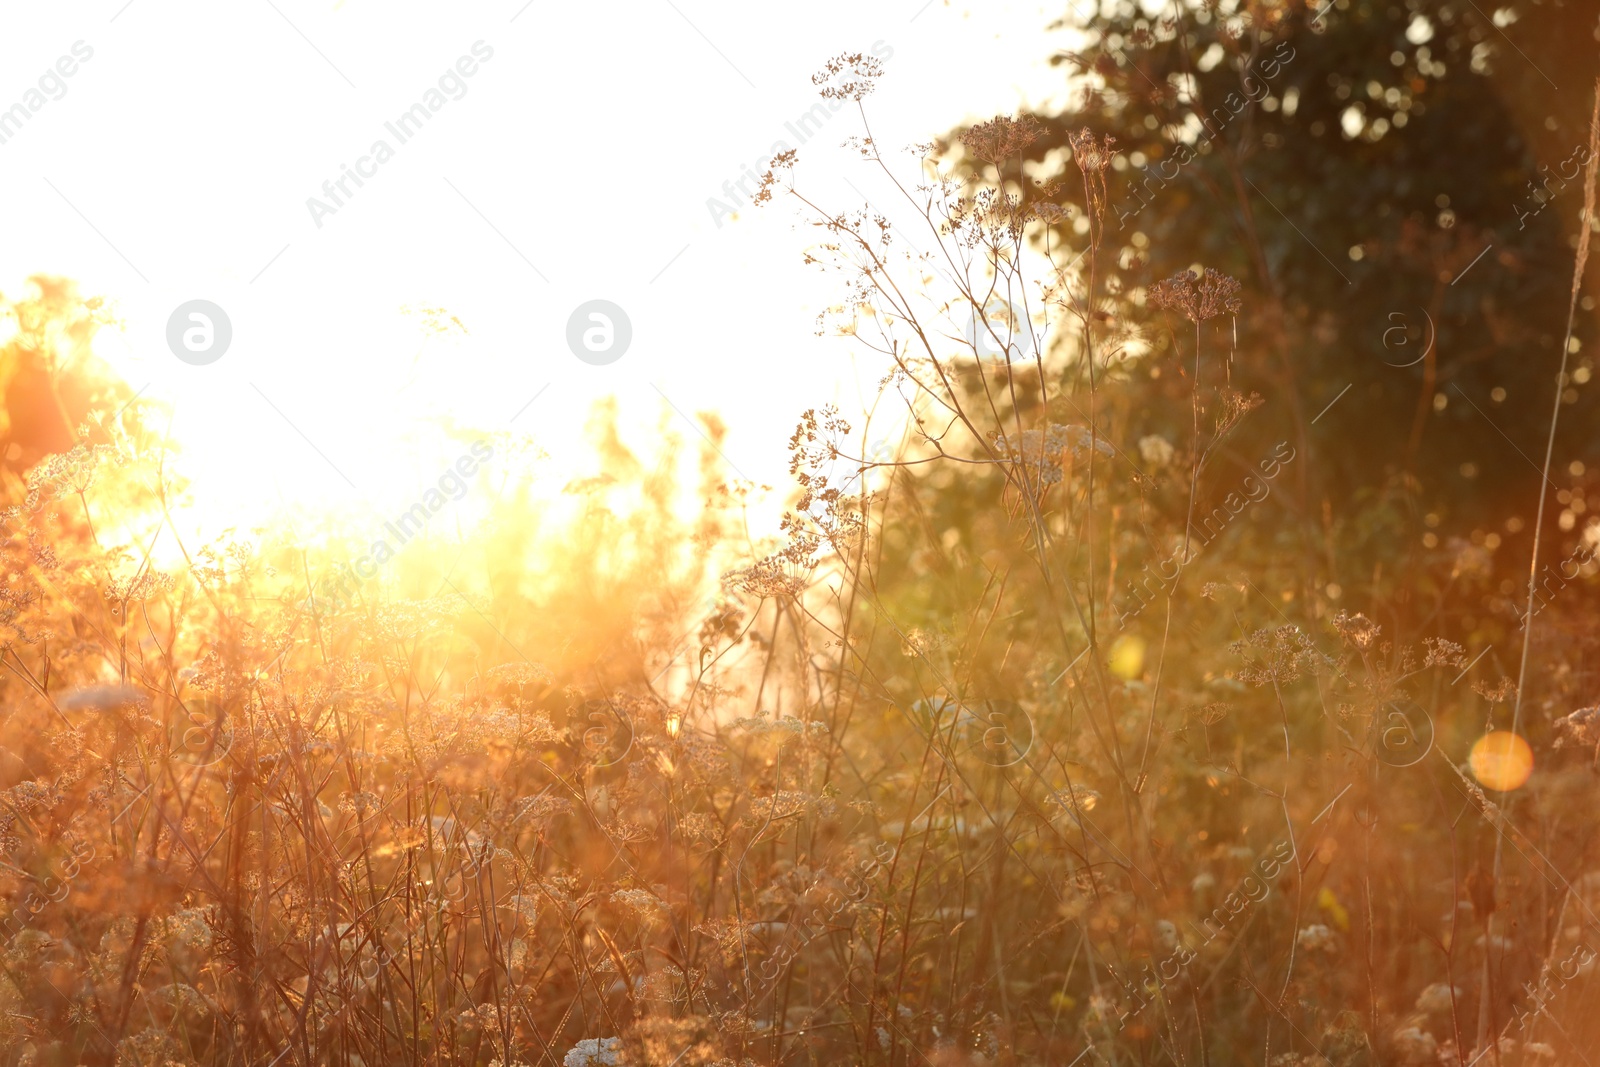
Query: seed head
{"points": [[1002, 137], [850, 76], [1198, 298]]}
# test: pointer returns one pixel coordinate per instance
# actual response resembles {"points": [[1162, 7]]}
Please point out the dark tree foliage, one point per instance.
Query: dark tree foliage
{"points": [[1399, 185]]}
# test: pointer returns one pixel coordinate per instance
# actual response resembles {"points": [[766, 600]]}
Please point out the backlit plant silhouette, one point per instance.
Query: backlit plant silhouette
{"points": [[904, 784]]}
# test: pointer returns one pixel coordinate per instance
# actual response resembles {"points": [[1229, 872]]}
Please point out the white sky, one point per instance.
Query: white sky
{"points": [[178, 164]]}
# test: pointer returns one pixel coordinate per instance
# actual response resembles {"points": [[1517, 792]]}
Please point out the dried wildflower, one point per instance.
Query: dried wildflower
{"points": [[649, 908], [702, 826], [602, 1051], [919, 643], [1436, 999], [989, 216], [402, 620], [729, 934], [1214, 712], [783, 804], [1317, 938], [764, 722], [1581, 727], [1442, 653], [68, 473], [1050, 214], [1093, 157], [1357, 629], [360, 804], [1198, 298], [778, 575], [1498, 693], [1002, 137], [28, 797], [524, 906], [521, 675], [1074, 800], [181, 997], [1090, 154], [632, 960], [482, 1017], [816, 440], [1235, 406], [848, 76], [17, 592], [1156, 451], [192, 926], [147, 1047], [1275, 656], [145, 585], [784, 160], [540, 808], [1414, 1045], [1042, 454]]}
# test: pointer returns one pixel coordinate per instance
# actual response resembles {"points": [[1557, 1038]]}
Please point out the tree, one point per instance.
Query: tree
{"points": [[1396, 184]]}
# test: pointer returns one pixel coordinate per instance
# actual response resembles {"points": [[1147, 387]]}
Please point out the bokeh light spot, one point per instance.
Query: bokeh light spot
{"points": [[1127, 657], [1501, 761]]}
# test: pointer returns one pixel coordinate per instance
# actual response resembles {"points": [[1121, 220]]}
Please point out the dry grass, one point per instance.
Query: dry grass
{"points": [[915, 787]]}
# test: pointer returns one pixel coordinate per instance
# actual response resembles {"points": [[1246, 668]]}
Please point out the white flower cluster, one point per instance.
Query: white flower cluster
{"points": [[594, 1051], [1317, 938], [764, 723]]}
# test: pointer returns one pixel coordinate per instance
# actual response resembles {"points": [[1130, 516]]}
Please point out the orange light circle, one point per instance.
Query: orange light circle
{"points": [[1502, 761]]}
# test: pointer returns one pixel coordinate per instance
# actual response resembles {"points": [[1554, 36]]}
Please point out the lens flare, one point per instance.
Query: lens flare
{"points": [[1502, 761], [1127, 657]]}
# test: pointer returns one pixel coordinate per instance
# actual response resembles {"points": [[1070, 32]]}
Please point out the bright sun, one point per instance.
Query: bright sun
{"points": [[405, 422]]}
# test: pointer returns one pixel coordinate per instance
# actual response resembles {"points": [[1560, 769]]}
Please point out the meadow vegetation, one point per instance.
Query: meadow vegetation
{"points": [[1059, 732]]}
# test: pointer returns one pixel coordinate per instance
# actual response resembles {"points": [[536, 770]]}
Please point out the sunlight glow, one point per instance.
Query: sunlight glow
{"points": [[1502, 761]]}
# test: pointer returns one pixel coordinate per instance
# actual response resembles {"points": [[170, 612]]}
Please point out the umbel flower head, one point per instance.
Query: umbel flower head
{"points": [[850, 76], [1198, 298], [1274, 656], [594, 1051], [1042, 451], [1582, 727], [1093, 156], [1357, 629], [1002, 137]]}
